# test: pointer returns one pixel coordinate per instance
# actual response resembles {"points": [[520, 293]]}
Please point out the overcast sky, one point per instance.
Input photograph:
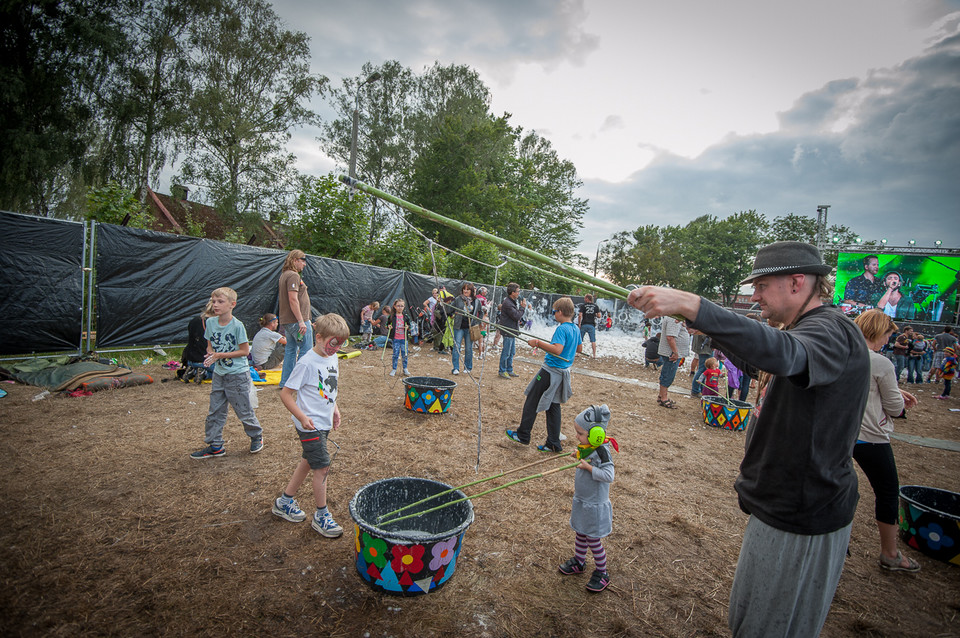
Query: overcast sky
{"points": [[672, 110]]}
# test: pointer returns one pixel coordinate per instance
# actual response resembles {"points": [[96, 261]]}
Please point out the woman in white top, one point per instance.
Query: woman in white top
{"points": [[873, 452]]}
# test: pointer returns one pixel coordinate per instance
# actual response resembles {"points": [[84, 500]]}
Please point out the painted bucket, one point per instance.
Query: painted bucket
{"points": [[428, 394], [728, 414], [930, 521], [414, 556]]}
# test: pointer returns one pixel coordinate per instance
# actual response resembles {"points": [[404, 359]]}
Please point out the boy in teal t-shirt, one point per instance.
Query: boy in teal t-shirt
{"points": [[227, 350], [551, 386]]}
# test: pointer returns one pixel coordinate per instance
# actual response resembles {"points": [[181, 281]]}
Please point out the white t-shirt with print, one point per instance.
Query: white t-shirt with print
{"points": [[314, 379]]}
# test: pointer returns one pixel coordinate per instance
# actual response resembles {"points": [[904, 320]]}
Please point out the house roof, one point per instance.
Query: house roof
{"points": [[174, 215]]}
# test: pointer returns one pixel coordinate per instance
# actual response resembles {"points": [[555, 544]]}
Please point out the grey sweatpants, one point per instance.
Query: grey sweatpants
{"points": [[230, 389], [785, 582]]}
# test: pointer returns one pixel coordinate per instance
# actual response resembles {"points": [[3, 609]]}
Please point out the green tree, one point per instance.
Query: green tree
{"points": [[384, 152], [144, 102], [252, 84], [794, 228], [327, 221], [547, 210], [399, 249], [52, 55], [462, 174], [476, 262], [113, 204], [642, 256], [718, 253]]}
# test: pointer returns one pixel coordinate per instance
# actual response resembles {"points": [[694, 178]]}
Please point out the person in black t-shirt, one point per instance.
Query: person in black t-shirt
{"points": [[587, 320]]}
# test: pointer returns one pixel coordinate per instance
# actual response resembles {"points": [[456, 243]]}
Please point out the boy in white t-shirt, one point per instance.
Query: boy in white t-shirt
{"points": [[310, 394]]}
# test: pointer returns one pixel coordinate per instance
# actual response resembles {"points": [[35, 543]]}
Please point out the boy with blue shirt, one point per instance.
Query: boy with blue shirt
{"points": [[227, 350], [551, 386]]}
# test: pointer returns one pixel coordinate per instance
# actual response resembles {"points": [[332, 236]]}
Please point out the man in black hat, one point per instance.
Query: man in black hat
{"points": [[796, 480]]}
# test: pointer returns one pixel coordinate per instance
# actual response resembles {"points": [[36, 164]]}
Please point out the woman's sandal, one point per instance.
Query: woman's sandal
{"points": [[896, 564], [666, 403]]}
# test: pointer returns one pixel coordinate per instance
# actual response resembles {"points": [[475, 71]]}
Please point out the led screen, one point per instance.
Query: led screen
{"points": [[907, 287]]}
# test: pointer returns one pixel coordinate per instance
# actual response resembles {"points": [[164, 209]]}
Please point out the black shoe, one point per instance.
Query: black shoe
{"points": [[598, 582], [571, 566]]}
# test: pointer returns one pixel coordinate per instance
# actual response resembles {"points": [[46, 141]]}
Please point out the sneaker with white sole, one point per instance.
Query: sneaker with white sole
{"points": [[326, 526], [288, 511], [393, 372], [456, 372], [208, 452], [256, 444], [406, 372]]}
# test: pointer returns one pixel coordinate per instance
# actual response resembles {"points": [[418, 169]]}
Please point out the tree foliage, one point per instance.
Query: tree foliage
{"points": [[113, 204], [327, 221], [52, 56], [143, 103], [252, 83]]}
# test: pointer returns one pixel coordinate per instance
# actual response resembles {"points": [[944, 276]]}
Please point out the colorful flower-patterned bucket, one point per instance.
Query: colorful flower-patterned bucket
{"points": [[428, 394], [930, 521], [728, 414], [414, 556]]}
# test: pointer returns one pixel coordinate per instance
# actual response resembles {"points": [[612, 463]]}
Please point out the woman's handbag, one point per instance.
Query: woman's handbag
{"points": [[475, 333]]}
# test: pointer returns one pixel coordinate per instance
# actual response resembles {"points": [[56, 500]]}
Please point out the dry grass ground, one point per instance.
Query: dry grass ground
{"points": [[111, 529]]}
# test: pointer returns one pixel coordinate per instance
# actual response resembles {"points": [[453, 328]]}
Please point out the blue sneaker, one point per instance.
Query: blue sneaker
{"points": [[513, 436], [256, 444], [326, 526], [288, 511], [208, 452]]}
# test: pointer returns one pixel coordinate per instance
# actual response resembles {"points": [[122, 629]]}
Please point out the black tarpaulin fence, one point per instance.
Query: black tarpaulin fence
{"points": [[149, 284], [41, 284]]}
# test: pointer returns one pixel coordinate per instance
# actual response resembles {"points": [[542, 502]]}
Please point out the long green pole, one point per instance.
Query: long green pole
{"points": [[469, 498], [613, 289], [560, 277], [465, 485]]}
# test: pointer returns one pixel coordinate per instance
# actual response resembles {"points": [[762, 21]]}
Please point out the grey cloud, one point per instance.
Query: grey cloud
{"points": [[497, 34], [612, 123], [891, 172]]}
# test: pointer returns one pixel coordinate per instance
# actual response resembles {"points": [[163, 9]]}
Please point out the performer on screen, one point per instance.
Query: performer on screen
{"points": [[894, 303], [863, 291]]}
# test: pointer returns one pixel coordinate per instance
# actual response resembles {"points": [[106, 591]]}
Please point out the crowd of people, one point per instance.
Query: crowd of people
{"points": [[827, 394]]}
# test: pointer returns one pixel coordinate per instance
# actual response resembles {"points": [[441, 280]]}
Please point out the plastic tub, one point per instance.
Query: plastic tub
{"points": [[428, 394], [728, 414], [930, 521], [414, 556]]}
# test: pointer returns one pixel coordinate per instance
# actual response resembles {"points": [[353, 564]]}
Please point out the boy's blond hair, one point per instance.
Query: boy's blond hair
{"points": [[225, 293], [565, 306], [374, 305], [711, 363], [331, 325]]}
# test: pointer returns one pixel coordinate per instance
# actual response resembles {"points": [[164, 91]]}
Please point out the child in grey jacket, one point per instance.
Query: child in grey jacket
{"points": [[592, 514]]}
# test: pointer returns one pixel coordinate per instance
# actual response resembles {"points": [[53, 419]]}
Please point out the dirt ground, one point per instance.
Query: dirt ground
{"points": [[111, 529]]}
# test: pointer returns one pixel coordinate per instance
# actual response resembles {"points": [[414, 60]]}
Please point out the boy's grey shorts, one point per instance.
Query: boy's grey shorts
{"points": [[314, 445]]}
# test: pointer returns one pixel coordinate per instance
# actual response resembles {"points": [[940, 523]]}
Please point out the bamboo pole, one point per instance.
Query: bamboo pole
{"points": [[466, 485], [493, 489], [560, 277], [518, 331], [613, 289]]}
